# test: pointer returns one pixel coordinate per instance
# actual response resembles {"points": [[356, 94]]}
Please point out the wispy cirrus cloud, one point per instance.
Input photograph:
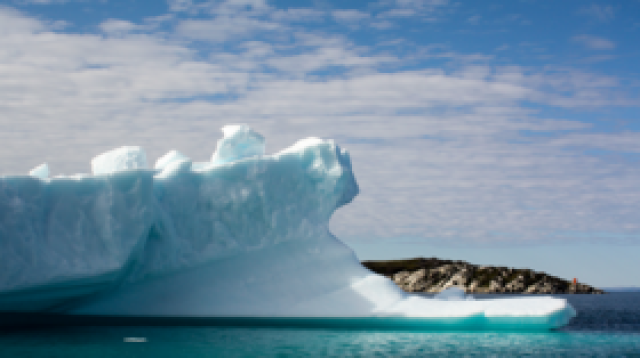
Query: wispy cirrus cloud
{"points": [[408, 8], [594, 42], [349, 15], [224, 28], [42, 2], [116, 26], [298, 14], [474, 20], [602, 13]]}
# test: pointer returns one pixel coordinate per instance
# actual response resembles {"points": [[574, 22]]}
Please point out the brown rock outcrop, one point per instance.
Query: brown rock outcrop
{"points": [[434, 275]]}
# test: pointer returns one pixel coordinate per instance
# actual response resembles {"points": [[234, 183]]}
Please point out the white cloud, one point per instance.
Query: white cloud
{"points": [[598, 58], [323, 58], [13, 22], [408, 8], [224, 28], [628, 142], [474, 20], [594, 42], [43, 2], [349, 16], [233, 19], [418, 4], [116, 26], [599, 12], [180, 5], [382, 25], [221, 7], [300, 14], [235, 7], [399, 13]]}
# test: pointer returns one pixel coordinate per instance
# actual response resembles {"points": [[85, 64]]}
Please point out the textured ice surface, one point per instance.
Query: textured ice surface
{"points": [[239, 142], [172, 156], [41, 171], [248, 238], [119, 159]]}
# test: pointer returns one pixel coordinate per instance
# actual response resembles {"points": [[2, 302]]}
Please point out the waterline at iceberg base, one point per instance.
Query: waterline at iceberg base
{"points": [[242, 239]]}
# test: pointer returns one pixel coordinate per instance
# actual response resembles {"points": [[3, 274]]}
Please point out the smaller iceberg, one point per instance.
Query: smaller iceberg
{"points": [[41, 171]]}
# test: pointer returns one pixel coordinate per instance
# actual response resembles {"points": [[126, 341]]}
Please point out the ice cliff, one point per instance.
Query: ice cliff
{"points": [[245, 235]]}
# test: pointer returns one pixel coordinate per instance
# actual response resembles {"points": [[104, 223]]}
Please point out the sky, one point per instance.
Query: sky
{"points": [[499, 132]]}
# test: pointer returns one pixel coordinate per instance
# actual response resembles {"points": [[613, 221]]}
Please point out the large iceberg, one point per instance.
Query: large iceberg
{"points": [[243, 237]]}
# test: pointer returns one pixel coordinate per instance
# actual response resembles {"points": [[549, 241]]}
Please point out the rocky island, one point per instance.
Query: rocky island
{"points": [[434, 275]]}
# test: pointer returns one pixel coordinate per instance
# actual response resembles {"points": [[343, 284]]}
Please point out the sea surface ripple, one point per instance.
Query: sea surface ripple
{"points": [[607, 325]]}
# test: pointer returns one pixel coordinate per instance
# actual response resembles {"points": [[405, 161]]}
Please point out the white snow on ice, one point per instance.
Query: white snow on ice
{"points": [[119, 159], [172, 156]]}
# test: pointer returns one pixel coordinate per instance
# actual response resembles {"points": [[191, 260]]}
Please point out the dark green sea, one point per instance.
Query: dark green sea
{"points": [[607, 325]]}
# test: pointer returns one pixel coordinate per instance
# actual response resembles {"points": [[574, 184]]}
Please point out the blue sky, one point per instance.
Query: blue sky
{"points": [[492, 131]]}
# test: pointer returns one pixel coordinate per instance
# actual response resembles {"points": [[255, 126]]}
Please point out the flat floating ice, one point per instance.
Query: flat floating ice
{"points": [[244, 240]]}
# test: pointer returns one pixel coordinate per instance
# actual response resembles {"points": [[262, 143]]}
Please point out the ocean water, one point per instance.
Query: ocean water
{"points": [[607, 325]]}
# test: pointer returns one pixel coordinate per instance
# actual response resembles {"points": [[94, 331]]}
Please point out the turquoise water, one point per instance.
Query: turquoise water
{"points": [[607, 325]]}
